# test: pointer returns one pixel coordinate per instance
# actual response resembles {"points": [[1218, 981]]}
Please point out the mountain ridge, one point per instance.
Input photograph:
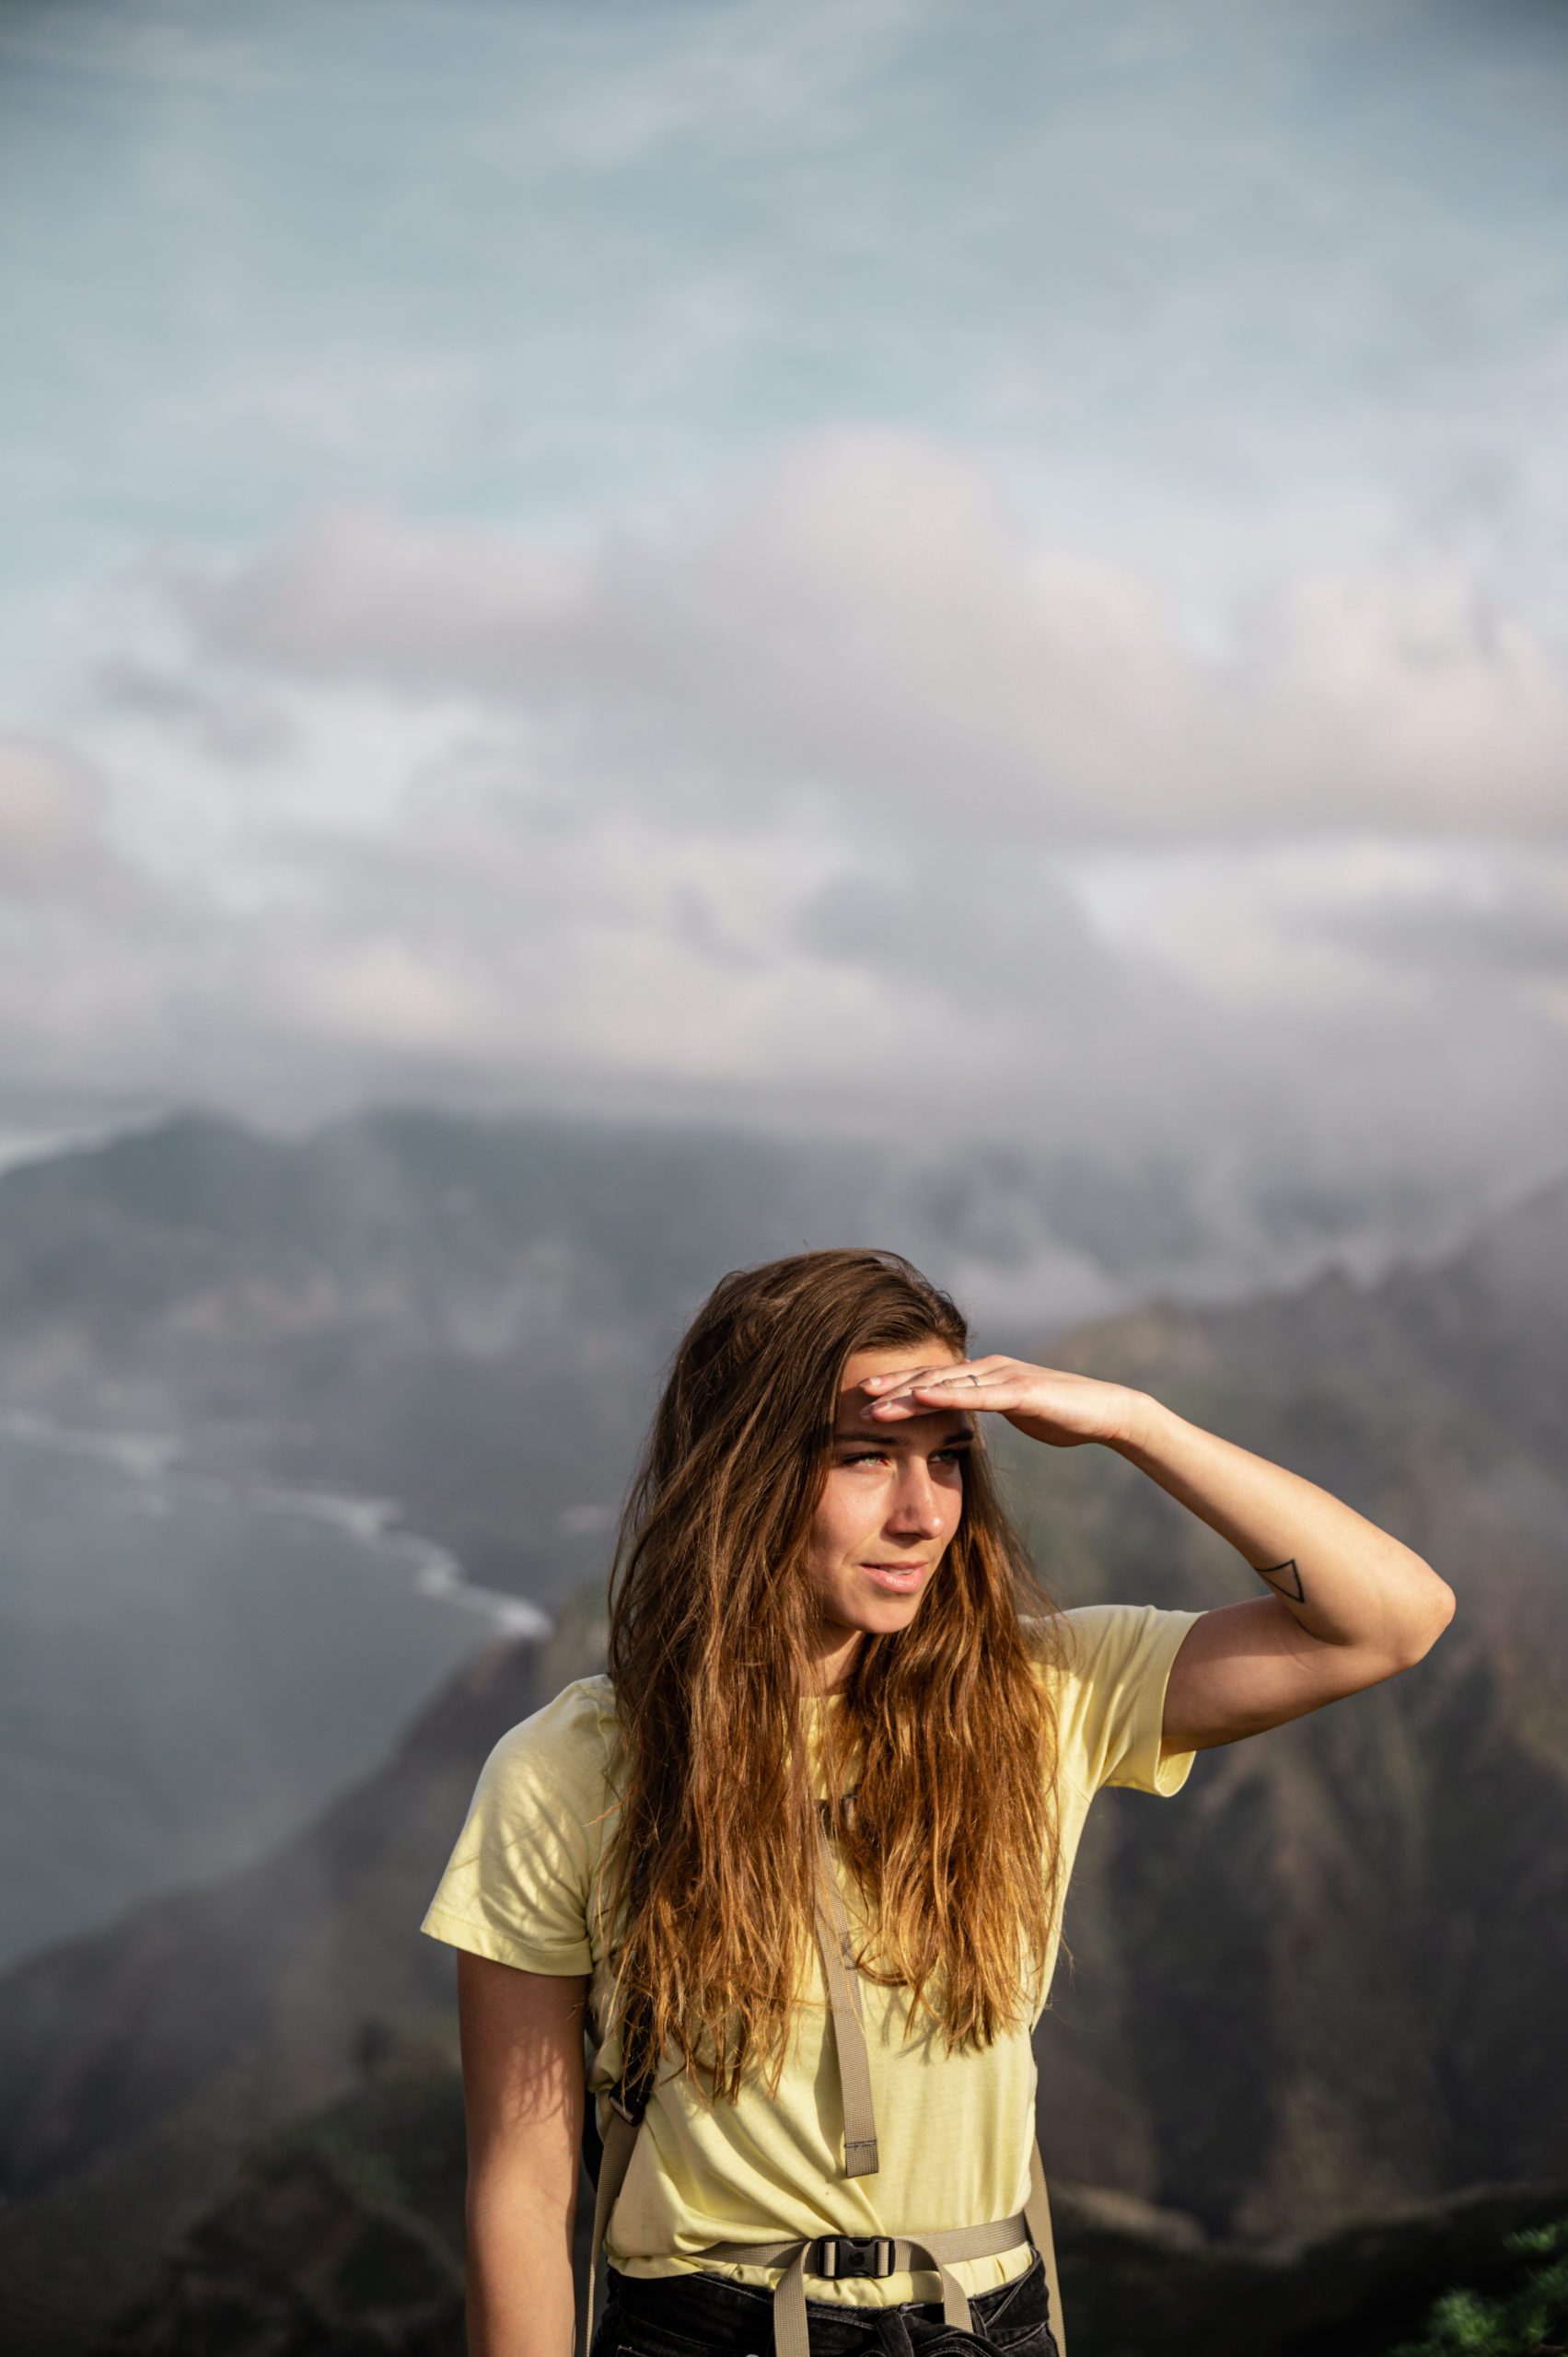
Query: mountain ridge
{"points": [[1300, 1998]]}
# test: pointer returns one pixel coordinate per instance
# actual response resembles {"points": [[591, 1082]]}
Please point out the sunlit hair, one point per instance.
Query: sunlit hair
{"points": [[712, 1853]]}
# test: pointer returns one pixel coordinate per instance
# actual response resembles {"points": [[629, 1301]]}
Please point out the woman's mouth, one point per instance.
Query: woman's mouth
{"points": [[898, 1580]]}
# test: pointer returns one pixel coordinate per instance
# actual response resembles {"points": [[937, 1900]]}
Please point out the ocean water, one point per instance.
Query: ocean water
{"points": [[190, 1668]]}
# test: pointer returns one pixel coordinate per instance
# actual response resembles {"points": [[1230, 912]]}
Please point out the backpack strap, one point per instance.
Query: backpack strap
{"points": [[834, 2255], [1037, 2213], [892, 2255], [627, 2103], [619, 2142], [837, 1943]]}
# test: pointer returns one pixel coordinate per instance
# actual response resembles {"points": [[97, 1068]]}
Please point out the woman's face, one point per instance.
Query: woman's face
{"points": [[893, 1497]]}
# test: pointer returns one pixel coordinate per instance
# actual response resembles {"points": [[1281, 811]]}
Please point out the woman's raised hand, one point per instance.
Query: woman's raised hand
{"points": [[1060, 1409]]}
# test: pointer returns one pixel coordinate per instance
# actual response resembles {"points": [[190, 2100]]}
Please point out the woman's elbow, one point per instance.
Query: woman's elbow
{"points": [[1426, 1627]]}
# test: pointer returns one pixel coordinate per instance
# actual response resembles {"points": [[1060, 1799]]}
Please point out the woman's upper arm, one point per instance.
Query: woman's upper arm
{"points": [[1247, 1666], [523, 2076]]}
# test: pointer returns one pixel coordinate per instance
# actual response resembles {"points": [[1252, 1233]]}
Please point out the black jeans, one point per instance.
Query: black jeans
{"points": [[708, 2316]]}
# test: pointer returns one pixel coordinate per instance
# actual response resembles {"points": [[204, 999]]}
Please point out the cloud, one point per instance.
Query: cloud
{"points": [[360, 595], [867, 624], [93, 952], [48, 814], [228, 729], [1143, 730], [845, 799], [1499, 924], [993, 933], [1199, 1029]]}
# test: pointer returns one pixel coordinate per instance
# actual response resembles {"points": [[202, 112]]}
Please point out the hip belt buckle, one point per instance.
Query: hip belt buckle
{"points": [[833, 2256]]}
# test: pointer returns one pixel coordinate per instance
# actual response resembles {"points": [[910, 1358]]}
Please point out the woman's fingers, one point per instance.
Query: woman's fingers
{"points": [[1045, 1402], [943, 1387], [910, 1378], [907, 1381]]}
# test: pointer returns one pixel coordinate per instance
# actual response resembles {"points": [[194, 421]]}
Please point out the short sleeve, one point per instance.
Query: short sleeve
{"points": [[1116, 1662], [516, 1886]]}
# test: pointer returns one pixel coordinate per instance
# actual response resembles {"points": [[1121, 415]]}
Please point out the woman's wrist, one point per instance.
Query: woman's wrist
{"points": [[1138, 1416]]}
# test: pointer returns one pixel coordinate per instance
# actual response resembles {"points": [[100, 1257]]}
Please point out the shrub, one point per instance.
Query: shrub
{"points": [[1531, 2320]]}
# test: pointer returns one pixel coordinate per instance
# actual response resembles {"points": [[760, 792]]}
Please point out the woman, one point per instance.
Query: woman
{"points": [[817, 1598]]}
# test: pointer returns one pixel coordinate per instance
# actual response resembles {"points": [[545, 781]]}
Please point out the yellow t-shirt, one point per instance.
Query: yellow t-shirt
{"points": [[954, 2130]]}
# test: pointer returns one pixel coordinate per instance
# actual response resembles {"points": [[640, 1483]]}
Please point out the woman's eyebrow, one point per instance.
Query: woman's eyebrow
{"points": [[891, 1438]]}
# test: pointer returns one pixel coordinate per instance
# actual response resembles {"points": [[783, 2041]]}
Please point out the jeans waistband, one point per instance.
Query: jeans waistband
{"points": [[716, 2312]]}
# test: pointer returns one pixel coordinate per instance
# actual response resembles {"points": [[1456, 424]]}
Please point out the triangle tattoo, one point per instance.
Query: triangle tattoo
{"points": [[1270, 1573]]}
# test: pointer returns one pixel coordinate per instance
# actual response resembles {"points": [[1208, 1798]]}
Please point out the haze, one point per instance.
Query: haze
{"points": [[953, 574]]}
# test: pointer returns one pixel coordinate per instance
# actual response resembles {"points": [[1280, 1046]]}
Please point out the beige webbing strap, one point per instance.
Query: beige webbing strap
{"points": [[1037, 2211], [620, 2141], [836, 1942], [911, 2252], [791, 2329], [791, 2326]]}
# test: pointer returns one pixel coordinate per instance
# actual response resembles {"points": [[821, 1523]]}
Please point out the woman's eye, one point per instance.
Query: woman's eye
{"points": [[879, 1456]]}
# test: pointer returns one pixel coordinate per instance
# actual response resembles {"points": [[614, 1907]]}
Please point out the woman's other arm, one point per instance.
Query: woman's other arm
{"points": [[1351, 1604], [522, 2094]]}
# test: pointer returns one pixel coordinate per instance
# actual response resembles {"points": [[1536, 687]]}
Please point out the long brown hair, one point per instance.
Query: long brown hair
{"points": [[712, 1853]]}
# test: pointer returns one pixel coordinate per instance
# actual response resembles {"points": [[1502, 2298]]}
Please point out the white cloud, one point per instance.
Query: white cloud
{"points": [[48, 814], [1495, 923], [1147, 730], [868, 624], [845, 799], [356, 594], [1310, 1016]]}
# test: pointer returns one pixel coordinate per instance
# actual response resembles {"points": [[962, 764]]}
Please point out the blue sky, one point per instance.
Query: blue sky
{"points": [[1215, 285], [663, 553]]}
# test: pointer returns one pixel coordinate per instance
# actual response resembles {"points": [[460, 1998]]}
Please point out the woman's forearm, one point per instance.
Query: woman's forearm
{"points": [[520, 2271], [1345, 1579]]}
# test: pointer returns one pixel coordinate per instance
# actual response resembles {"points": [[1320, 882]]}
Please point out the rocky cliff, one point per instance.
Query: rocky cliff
{"points": [[137, 2065]]}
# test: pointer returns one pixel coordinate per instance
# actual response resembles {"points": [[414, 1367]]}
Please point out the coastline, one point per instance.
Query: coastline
{"points": [[375, 1523]]}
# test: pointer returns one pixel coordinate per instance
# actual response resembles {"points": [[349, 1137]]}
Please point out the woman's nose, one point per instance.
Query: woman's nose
{"points": [[919, 1505]]}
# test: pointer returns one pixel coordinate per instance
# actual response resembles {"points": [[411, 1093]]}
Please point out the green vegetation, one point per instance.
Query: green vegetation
{"points": [[1531, 2320]]}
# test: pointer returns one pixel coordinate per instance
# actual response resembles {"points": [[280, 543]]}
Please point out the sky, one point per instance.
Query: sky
{"points": [[925, 566]]}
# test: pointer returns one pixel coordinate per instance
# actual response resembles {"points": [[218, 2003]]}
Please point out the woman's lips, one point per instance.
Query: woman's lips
{"points": [[897, 1581]]}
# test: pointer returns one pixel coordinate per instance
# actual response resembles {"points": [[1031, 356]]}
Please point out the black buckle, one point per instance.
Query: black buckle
{"points": [[839, 2255], [629, 2099]]}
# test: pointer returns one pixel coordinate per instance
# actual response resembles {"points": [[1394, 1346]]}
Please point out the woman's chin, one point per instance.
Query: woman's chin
{"points": [[859, 1605], [878, 1612]]}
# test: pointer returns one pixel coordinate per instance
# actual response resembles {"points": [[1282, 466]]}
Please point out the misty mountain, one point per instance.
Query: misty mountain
{"points": [[471, 1316], [136, 2064], [1322, 1984]]}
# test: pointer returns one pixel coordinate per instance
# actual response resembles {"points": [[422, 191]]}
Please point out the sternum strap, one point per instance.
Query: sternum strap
{"points": [[790, 2330]]}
